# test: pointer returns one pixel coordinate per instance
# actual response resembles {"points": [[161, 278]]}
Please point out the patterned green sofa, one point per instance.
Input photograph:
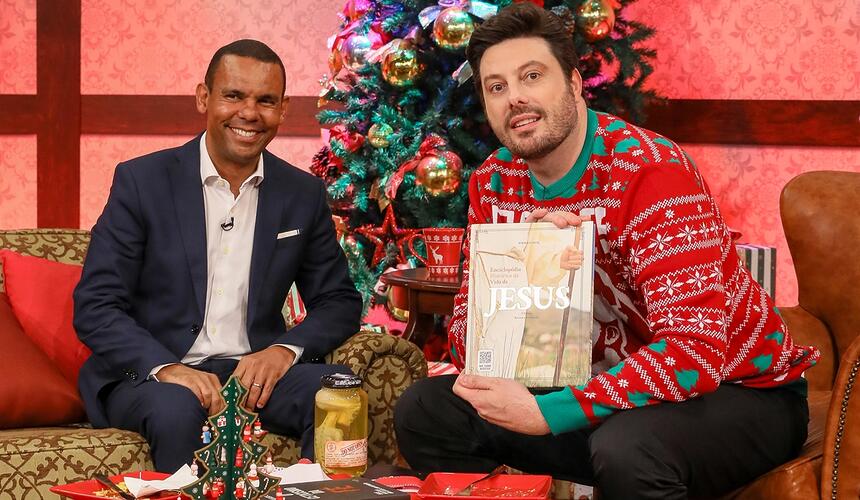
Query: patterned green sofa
{"points": [[32, 460]]}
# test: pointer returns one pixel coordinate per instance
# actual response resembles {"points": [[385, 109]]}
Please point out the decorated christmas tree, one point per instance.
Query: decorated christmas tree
{"points": [[406, 128], [230, 455]]}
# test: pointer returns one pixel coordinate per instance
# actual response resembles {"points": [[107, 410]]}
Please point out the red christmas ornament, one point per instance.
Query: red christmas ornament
{"points": [[240, 490], [355, 9], [351, 141], [217, 489], [380, 236]]}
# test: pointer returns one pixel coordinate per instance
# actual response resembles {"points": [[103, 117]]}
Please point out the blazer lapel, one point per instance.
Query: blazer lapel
{"points": [[190, 212], [269, 206]]}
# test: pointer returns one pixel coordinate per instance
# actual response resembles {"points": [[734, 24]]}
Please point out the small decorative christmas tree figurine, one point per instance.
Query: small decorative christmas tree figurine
{"points": [[227, 458]]}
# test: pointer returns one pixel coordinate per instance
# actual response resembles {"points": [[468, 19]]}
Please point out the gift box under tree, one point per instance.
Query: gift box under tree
{"points": [[761, 261]]}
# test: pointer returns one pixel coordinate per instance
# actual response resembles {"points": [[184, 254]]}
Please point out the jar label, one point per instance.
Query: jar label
{"points": [[346, 453]]}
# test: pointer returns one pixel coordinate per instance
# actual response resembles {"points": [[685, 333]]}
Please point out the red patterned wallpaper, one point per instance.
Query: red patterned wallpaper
{"points": [[297, 150], [163, 46], [754, 49], [18, 181], [100, 154], [17, 46]]}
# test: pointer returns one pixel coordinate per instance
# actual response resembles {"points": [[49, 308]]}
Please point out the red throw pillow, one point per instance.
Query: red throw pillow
{"points": [[33, 392], [40, 292]]}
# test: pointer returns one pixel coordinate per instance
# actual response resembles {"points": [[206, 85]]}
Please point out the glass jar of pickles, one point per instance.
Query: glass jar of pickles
{"points": [[340, 425]]}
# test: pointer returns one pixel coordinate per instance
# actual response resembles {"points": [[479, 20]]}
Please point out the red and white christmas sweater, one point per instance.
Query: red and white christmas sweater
{"points": [[676, 314]]}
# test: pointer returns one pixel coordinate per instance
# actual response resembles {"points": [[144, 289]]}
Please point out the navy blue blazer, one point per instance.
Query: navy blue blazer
{"points": [[141, 298]]}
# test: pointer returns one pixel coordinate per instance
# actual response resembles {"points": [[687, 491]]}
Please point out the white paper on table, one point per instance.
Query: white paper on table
{"points": [[300, 473], [141, 488]]}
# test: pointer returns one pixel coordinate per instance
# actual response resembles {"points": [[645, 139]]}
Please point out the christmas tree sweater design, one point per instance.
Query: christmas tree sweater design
{"points": [[676, 313]]}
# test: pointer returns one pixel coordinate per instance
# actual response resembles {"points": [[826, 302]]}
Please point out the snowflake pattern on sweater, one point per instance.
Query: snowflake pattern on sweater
{"points": [[675, 312]]}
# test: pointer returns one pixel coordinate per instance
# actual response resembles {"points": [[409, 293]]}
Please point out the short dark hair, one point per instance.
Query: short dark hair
{"points": [[245, 48], [521, 20]]}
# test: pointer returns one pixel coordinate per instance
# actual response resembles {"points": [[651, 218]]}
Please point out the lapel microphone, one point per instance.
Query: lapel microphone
{"points": [[227, 224]]}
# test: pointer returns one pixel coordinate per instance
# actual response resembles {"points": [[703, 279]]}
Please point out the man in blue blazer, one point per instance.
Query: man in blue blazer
{"points": [[189, 266]]}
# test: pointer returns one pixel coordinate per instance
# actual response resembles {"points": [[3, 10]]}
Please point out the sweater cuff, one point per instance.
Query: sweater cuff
{"points": [[455, 358], [562, 411]]}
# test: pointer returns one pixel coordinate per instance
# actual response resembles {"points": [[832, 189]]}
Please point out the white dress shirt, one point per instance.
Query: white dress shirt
{"points": [[224, 331], [230, 224]]}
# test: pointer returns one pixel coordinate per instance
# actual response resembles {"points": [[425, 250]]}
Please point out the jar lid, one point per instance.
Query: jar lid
{"points": [[341, 381]]}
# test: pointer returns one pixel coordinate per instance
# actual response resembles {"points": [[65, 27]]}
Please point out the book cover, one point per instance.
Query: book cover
{"points": [[340, 489], [530, 314]]}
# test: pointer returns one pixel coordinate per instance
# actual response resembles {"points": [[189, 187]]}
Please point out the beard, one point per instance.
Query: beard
{"points": [[560, 121]]}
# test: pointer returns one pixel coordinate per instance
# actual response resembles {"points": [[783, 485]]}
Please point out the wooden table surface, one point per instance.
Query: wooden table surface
{"points": [[428, 295]]}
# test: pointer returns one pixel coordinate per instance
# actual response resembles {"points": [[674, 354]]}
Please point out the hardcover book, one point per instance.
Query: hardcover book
{"points": [[530, 303], [340, 489]]}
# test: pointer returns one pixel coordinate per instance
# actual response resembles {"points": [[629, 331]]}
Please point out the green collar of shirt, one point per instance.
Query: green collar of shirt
{"points": [[566, 186]]}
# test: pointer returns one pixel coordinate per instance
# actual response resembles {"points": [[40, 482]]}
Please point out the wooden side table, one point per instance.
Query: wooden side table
{"points": [[427, 296]]}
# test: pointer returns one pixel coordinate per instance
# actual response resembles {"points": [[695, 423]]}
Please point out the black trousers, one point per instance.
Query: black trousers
{"points": [[699, 448], [171, 417]]}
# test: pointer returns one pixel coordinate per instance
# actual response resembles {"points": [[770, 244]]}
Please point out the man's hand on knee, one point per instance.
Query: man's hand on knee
{"points": [[260, 371], [204, 385], [504, 402]]}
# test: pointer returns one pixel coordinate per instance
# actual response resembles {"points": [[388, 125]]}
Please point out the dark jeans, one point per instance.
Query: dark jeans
{"points": [[170, 416], [698, 448]]}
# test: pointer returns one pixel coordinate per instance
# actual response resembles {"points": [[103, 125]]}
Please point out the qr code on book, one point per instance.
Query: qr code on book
{"points": [[485, 360]]}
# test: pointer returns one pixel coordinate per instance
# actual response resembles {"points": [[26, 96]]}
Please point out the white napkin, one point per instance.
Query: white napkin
{"points": [[300, 473], [141, 488]]}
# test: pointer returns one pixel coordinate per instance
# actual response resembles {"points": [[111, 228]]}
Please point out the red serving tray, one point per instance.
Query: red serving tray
{"points": [[86, 490], [514, 486]]}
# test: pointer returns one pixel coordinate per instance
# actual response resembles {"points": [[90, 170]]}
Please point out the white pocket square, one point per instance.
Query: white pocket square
{"points": [[288, 234]]}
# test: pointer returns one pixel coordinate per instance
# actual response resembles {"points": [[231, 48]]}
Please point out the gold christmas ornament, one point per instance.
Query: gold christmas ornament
{"points": [[595, 19], [400, 65], [440, 173], [379, 135], [354, 51], [453, 29]]}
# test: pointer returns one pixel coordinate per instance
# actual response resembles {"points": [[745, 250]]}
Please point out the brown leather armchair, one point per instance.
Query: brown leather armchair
{"points": [[822, 225]]}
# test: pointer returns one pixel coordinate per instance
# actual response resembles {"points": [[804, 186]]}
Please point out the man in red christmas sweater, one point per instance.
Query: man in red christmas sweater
{"points": [[696, 384]]}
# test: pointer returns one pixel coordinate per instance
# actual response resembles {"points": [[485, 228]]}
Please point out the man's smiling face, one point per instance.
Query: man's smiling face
{"points": [[243, 110]]}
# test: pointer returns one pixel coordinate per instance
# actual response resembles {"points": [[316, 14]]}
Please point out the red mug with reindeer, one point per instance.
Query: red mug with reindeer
{"points": [[443, 250]]}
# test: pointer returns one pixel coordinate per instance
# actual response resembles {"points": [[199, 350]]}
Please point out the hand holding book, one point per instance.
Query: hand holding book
{"points": [[560, 219]]}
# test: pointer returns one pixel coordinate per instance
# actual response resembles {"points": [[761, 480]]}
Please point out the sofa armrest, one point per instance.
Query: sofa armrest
{"points": [[387, 365], [840, 472]]}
